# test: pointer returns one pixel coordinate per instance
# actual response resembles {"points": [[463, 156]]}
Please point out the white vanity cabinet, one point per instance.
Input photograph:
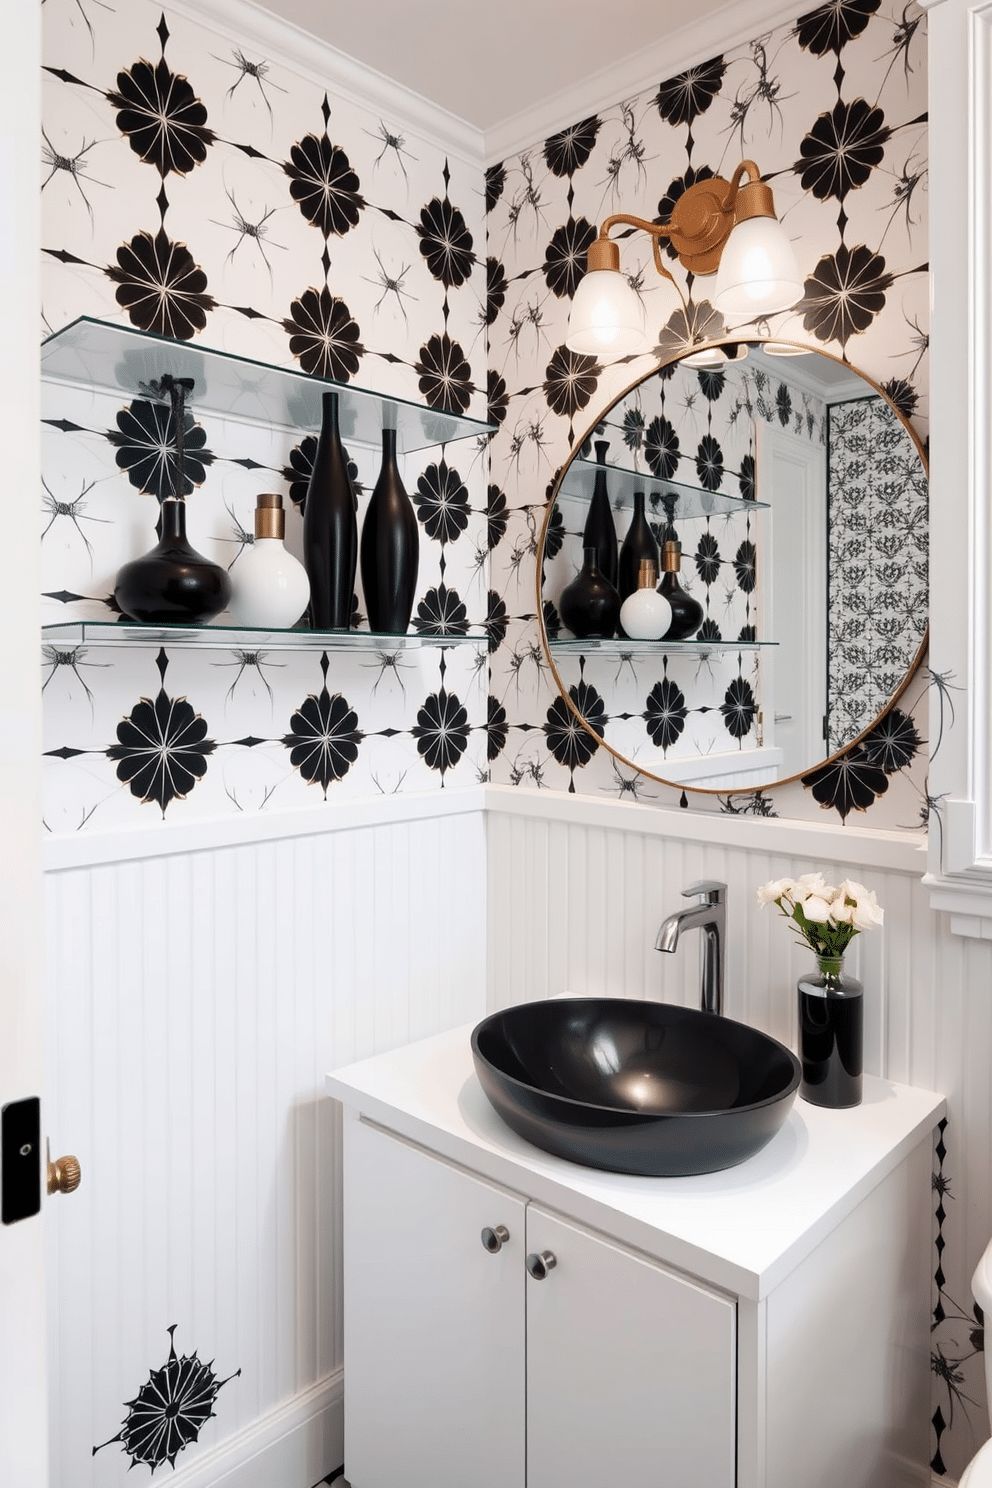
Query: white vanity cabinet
{"points": [[765, 1327]]}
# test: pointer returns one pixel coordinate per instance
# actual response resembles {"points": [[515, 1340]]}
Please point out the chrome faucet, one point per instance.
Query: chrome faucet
{"points": [[711, 917]]}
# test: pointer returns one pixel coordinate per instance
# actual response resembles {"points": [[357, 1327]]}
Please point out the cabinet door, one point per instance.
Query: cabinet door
{"points": [[433, 1321], [630, 1369]]}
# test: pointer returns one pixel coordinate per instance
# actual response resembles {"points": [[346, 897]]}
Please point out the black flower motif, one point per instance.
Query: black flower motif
{"points": [[842, 149], [162, 749], [903, 395], [323, 336], [707, 558], [665, 713], [554, 533], [565, 256], [747, 633], [145, 439], [682, 99], [170, 1409], [830, 27], [661, 448], [709, 631], [675, 192], [783, 405], [712, 381], [893, 743], [745, 480], [497, 621], [441, 612], [552, 620], [446, 242], [163, 119], [441, 731], [495, 181], [496, 287], [160, 286], [496, 729], [738, 708], [496, 513], [569, 149], [570, 381], [709, 463], [445, 375], [300, 468], [497, 397], [324, 185], [844, 293], [571, 744], [633, 429], [324, 738], [746, 566], [686, 327], [850, 783], [442, 502]]}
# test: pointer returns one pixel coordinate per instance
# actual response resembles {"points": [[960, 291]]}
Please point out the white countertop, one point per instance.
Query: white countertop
{"points": [[743, 1229]]}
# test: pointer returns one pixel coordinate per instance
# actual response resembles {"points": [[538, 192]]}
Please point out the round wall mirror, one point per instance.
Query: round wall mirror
{"points": [[782, 498]]}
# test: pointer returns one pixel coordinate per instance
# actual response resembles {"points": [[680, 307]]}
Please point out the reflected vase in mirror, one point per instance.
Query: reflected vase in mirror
{"points": [[390, 553], [590, 605], [173, 584], [646, 615], [600, 530], [687, 613], [831, 1037], [330, 527], [639, 546]]}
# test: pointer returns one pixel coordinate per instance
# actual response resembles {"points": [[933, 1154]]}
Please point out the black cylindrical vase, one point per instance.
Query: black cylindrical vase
{"points": [[590, 605], [600, 530], [831, 1035], [173, 584], [330, 528], [390, 551], [638, 547]]}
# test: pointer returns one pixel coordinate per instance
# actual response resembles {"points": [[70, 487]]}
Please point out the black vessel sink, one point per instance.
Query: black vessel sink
{"points": [[635, 1087]]}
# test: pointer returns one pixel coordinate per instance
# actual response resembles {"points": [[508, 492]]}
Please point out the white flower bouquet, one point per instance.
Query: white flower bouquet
{"points": [[826, 917]]}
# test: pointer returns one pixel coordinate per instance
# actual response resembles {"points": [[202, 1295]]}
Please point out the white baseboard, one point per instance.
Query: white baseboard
{"points": [[294, 1446]]}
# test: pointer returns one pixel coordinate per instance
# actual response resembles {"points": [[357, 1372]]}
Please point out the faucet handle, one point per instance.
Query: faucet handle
{"points": [[715, 892]]}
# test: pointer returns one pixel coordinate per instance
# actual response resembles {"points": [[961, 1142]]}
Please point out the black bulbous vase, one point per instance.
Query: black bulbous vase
{"points": [[390, 549], [330, 527], [173, 584], [590, 605]]}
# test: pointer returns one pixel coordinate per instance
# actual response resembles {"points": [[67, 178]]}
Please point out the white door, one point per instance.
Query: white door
{"points": [[631, 1371], [23, 1401], [433, 1321], [791, 477]]}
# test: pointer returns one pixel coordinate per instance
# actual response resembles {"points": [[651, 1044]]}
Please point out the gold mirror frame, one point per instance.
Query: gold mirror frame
{"points": [[722, 341]]}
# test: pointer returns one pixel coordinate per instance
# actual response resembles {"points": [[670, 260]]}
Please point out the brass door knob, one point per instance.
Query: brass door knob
{"points": [[64, 1175]]}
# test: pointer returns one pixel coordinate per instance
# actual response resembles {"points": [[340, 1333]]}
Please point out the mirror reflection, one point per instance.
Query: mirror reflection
{"points": [[787, 499]]}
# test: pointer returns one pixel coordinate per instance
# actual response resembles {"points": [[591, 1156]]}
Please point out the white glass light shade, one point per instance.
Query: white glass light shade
{"points": [[607, 318], [758, 273]]}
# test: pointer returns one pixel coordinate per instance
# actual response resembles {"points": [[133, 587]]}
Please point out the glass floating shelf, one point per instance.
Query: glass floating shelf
{"points": [[241, 638], [618, 646], [119, 359], [689, 501]]}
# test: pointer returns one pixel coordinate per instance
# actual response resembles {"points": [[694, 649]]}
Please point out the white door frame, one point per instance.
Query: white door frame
{"points": [[23, 1383]]}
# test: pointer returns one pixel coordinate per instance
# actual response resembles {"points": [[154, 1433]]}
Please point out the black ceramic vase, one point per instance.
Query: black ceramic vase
{"points": [[390, 552], [173, 584], [590, 605], [600, 532], [831, 1035], [687, 613], [330, 528], [638, 547]]}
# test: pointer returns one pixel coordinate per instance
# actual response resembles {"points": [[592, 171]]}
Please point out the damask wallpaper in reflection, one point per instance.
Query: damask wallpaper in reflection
{"points": [[833, 110]]}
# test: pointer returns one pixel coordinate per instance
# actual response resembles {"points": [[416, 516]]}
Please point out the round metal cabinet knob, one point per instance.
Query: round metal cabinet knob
{"points": [[538, 1266], [64, 1175], [495, 1239]]}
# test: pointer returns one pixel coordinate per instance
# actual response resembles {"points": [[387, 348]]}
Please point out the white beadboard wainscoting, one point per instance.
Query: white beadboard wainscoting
{"points": [[579, 887], [198, 993]]}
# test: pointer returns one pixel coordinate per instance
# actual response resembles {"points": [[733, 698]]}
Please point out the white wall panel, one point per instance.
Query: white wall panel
{"points": [[197, 1001]]}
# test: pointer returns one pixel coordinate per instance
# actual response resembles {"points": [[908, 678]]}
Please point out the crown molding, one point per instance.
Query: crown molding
{"points": [[252, 26], [709, 36]]}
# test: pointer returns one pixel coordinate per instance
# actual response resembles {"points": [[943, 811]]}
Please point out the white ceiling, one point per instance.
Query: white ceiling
{"points": [[489, 64]]}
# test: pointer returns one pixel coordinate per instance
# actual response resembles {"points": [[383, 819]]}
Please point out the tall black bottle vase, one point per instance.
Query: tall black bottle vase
{"points": [[390, 549], [638, 547], [330, 527], [600, 532]]}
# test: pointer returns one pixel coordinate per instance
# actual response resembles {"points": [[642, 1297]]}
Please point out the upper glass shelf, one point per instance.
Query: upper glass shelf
{"points": [[120, 359], [686, 501], [620, 646], [242, 638]]}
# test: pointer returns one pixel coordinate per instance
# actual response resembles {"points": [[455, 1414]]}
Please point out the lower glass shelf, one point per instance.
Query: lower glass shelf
{"points": [[621, 646], [224, 637]]}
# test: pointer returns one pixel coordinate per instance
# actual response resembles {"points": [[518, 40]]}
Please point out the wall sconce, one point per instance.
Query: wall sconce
{"points": [[716, 226]]}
